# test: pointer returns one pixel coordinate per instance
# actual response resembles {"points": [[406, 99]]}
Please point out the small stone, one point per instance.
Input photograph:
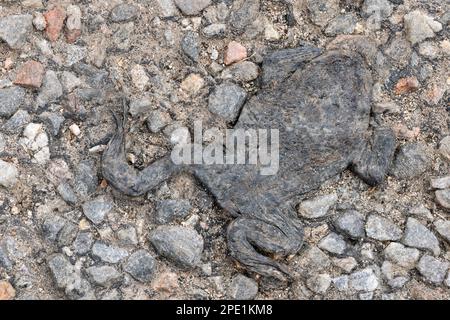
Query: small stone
{"points": [[170, 210], [443, 198], [51, 89], [158, 120], [434, 270], [419, 26], [66, 192], [235, 52], [192, 7], [52, 227], [244, 71], [124, 13], [139, 77], [54, 121], [86, 180], [444, 147], [244, 13], [406, 85], [108, 253], [243, 288], [401, 255], [317, 207], [270, 33], [10, 100], [382, 229], [396, 276], [428, 50], [73, 23], [422, 212], [319, 283], [39, 21], [8, 174], [412, 160], [351, 223], [443, 228], [55, 22], [105, 276], [34, 4], [377, 11], [435, 93], [62, 270], [418, 236], [167, 8], [364, 280], [7, 291], [97, 209], [346, 264], [333, 243], [399, 50], [313, 260], [190, 45], [227, 100], [69, 81], [75, 130], [35, 139], [340, 283], [215, 30], [441, 183], [141, 265], [83, 243], [322, 11], [342, 24], [128, 236], [192, 84], [15, 29], [183, 246]]}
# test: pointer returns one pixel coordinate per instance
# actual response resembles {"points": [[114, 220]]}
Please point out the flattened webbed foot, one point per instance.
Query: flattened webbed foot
{"points": [[250, 239], [373, 163]]}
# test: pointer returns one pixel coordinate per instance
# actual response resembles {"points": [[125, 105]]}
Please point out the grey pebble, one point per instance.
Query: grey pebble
{"points": [[10, 100], [227, 100], [183, 246], [350, 223], [105, 276], [97, 209], [108, 253], [382, 229], [170, 210], [141, 266], [243, 288], [420, 237], [123, 13]]}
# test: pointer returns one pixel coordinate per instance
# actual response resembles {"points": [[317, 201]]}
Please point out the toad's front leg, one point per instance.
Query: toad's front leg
{"points": [[124, 177]]}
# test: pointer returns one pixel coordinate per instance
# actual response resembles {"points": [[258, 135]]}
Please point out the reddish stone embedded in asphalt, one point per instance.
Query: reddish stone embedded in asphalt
{"points": [[72, 35], [55, 22], [7, 291], [406, 85], [30, 75], [73, 23], [235, 52]]}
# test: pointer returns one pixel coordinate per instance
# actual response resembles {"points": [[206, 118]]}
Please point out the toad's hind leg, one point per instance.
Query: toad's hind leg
{"points": [[250, 240], [374, 161]]}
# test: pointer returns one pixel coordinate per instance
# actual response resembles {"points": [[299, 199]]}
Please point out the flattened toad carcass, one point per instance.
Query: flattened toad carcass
{"points": [[321, 105]]}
